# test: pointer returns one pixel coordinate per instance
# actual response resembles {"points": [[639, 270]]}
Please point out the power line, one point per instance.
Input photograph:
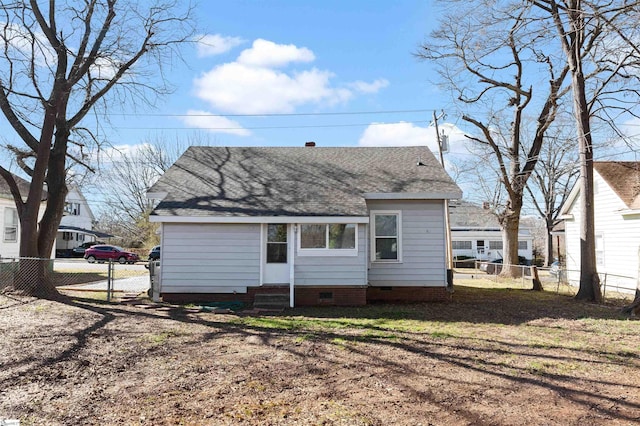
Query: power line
{"points": [[272, 127], [276, 114]]}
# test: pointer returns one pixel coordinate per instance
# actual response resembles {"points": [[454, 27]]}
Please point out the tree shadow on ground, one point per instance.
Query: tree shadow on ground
{"points": [[367, 340]]}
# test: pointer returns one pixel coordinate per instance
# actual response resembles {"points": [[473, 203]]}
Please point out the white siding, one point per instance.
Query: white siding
{"points": [[334, 270], [620, 236], [8, 249], [423, 246], [210, 258]]}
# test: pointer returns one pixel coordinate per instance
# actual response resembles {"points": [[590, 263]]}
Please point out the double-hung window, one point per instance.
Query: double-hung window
{"points": [[10, 234], [385, 238], [330, 239]]}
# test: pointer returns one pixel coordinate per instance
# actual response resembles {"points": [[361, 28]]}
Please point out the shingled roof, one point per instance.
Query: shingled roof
{"points": [[309, 181], [624, 178], [23, 185]]}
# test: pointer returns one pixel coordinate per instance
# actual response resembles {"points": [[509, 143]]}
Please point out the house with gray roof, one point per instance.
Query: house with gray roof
{"points": [[477, 235], [338, 226], [616, 204]]}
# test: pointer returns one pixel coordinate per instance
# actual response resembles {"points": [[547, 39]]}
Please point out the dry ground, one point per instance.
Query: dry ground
{"points": [[490, 356]]}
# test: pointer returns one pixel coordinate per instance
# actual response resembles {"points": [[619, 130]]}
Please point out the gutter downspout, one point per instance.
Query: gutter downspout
{"points": [[292, 253]]}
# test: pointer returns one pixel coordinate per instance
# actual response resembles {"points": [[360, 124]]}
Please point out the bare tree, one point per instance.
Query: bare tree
{"points": [[486, 56], [552, 180], [600, 41], [59, 63], [125, 205]]}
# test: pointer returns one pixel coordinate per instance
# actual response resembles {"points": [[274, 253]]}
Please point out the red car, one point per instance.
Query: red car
{"points": [[101, 253]]}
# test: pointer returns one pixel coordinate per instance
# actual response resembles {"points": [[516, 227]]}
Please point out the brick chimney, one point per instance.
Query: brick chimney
{"points": [[310, 144]]}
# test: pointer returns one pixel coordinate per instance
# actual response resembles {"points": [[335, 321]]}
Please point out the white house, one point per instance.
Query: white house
{"points": [[476, 233], [617, 225], [10, 243], [340, 226], [76, 226]]}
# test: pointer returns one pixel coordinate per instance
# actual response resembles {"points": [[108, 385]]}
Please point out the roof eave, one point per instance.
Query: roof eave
{"points": [[258, 219], [451, 195]]}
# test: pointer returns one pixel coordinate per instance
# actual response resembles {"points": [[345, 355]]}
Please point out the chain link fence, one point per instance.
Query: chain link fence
{"points": [[562, 280], [33, 275]]}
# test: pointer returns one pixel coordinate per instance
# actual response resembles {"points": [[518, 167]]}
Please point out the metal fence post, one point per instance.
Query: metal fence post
{"points": [[109, 279]]}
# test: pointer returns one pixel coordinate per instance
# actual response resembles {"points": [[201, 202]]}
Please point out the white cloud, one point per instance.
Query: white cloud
{"points": [[374, 87], [216, 44], [237, 88], [22, 41], [256, 83], [265, 53], [408, 134], [216, 124]]}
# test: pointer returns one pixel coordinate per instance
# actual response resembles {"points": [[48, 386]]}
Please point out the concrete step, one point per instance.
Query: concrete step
{"points": [[271, 300]]}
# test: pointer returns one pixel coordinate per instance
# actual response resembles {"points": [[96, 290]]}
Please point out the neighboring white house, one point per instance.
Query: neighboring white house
{"points": [[617, 225], [339, 226], [77, 224], [10, 242], [476, 233]]}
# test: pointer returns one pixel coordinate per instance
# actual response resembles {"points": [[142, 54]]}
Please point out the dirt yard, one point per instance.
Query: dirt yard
{"points": [[490, 356]]}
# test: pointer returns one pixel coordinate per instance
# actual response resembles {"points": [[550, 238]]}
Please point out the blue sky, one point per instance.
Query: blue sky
{"points": [[300, 57]]}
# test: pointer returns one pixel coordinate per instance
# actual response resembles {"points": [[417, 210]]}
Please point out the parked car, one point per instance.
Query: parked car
{"points": [[154, 253], [79, 251], [101, 253]]}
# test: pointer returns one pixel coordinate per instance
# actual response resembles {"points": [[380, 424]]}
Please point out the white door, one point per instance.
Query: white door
{"points": [[276, 253]]}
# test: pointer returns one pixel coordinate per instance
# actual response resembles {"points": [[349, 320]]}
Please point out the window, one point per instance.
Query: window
{"points": [[461, 245], [277, 243], [386, 236], [480, 246], [522, 245], [332, 236], [72, 209], [495, 245], [10, 225], [599, 250]]}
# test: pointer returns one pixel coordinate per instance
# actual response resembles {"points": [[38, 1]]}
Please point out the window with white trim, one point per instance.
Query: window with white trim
{"points": [[495, 245], [523, 245], [461, 245], [599, 250], [385, 236], [10, 225], [330, 237]]}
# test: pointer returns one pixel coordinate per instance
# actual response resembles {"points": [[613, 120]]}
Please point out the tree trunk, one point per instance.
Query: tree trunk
{"points": [[548, 257], [589, 280], [510, 222]]}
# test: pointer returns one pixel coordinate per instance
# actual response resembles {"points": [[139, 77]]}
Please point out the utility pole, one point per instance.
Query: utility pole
{"points": [[447, 224]]}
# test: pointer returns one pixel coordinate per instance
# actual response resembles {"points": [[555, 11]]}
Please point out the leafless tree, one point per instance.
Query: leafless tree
{"points": [[487, 53], [63, 61], [553, 178], [601, 44], [125, 206]]}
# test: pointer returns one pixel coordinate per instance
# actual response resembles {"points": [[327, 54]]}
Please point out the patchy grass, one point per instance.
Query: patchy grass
{"points": [[489, 356]]}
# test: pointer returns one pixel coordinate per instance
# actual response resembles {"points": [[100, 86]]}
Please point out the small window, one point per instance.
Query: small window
{"points": [[10, 225], [495, 245], [522, 245], [277, 243], [461, 245], [599, 250], [386, 236]]}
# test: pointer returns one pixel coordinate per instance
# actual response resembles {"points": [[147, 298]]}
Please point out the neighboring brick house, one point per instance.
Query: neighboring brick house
{"points": [[339, 226]]}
